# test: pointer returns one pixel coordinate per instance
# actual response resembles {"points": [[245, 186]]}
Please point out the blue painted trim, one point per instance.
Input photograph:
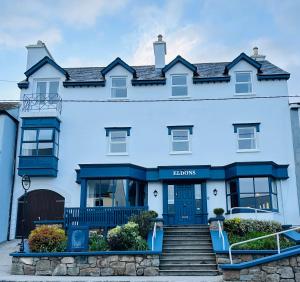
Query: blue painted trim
{"points": [[116, 62], [158, 242], [263, 260], [241, 57], [293, 236], [23, 85], [238, 125], [273, 76], [70, 254], [41, 122], [142, 82], [83, 193], [41, 63], [199, 172], [172, 127], [200, 80], [84, 83], [217, 241], [181, 60], [109, 129], [48, 222]]}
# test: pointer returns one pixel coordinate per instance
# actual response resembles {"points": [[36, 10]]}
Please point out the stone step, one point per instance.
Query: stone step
{"points": [[188, 256], [191, 237], [188, 267], [188, 273], [186, 260], [186, 233], [188, 248], [186, 228], [187, 243]]}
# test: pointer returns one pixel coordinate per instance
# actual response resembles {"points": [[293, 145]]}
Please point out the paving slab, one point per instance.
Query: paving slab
{"points": [[12, 246]]}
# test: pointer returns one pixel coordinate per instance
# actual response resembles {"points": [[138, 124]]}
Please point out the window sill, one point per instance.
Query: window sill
{"points": [[118, 99], [180, 153], [179, 97], [248, 151], [244, 94], [117, 154]]}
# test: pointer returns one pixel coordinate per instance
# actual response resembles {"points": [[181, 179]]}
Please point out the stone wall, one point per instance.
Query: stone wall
{"points": [[105, 265], [287, 270]]}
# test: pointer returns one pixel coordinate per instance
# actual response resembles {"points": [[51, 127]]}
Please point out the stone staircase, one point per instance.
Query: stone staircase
{"points": [[187, 251]]}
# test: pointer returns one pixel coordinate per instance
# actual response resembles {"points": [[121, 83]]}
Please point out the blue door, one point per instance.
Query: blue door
{"points": [[184, 204]]}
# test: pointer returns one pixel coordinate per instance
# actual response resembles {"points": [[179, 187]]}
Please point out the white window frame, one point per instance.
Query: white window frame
{"points": [[109, 142], [256, 149], [251, 82], [182, 85], [47, 81], [172, 152], [113, 87]]}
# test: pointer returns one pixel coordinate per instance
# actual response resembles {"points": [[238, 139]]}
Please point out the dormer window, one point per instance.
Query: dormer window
{"points": [[243, 82], [179, 85], [47, 90], [118, 87]]}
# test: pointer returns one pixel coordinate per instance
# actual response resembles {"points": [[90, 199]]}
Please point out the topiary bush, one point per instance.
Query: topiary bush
{"points": [[126, 237], [47, 238], [98, 242], [218, 211], [145, 222]]}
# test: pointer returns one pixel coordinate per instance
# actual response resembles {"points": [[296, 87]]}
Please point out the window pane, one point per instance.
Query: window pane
{"points": [[247, 200], [243, 88], [246, 132], [118, 147], [46, 134], [107, 189], [274, 202], [179, 80], [246, 185], [198, 198], [274, 186], [179, 91], [118, 136], [180, 146], [132, 193], [119, 92], [247, 144], [262, 201], [261, 185], [243, 77], [119, 82], [45, 149], [93, 193], [29, 135], [120, 198], [29, 149], [180, 135], [41, 87], [171, 208], [53, 87], [232, 187], [232, 201]]}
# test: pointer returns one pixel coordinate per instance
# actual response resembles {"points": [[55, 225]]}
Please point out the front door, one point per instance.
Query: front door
{"points": [[184, 204]]}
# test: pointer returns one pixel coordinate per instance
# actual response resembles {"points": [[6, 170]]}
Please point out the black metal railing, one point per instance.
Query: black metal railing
{"points": [[41, 102]]}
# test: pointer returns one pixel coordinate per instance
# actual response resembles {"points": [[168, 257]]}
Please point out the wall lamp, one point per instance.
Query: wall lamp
{"points": [[155, 193], [215, 192]]}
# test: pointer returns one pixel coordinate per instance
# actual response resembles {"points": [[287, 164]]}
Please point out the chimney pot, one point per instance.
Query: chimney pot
{"points": [[159, 37], [255, 51], [256, 56]]}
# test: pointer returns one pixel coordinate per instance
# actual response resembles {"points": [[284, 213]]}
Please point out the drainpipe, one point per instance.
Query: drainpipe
{"points": [[13, 176]]}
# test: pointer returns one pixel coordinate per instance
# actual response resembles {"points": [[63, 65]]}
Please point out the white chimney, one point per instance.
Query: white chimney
{"points": [[160, 50], [36, 52], [256, 56]]}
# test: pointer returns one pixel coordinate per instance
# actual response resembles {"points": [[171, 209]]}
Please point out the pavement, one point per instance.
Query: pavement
{"points": [[11, 246]]}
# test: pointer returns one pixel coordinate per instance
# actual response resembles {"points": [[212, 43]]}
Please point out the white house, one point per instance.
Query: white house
{"points": [[180, 138], [8, 138]]}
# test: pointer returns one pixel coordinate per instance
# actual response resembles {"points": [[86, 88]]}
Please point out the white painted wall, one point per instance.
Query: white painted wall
{"points": [[155, 203], [82, 137]]}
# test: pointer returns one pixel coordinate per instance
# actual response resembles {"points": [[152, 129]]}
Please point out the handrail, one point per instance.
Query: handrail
{"points": [[261, 237], [221, 234], [249, 208], [153, 236]]}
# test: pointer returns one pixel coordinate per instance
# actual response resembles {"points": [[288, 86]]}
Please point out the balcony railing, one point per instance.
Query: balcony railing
{"points": [[42, 102], [100, 217]]}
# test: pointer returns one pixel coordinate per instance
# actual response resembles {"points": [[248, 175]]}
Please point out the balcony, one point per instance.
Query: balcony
{"points": [[39, 105]]}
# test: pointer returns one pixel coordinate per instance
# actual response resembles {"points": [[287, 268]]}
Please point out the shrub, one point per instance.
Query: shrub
{"points": [[98, 242], [218, 211], [126, 237], [145, 222], [47, 238], [241, 227]]}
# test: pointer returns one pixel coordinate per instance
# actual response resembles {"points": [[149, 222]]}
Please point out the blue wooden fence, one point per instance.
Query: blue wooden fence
{"points": [[100, 217]]}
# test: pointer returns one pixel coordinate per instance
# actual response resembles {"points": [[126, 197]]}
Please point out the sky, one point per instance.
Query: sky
{"points": [[95, 32]]}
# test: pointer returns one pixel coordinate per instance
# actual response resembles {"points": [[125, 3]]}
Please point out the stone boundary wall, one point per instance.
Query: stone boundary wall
{"points": [[103, 265], [286, 270]]}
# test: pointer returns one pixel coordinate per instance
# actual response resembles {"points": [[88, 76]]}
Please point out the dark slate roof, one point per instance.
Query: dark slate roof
{"points": [[149, 72], [5, 106]]}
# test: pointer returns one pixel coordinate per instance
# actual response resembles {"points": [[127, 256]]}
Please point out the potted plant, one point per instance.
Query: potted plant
{"points": [[219, 212]]}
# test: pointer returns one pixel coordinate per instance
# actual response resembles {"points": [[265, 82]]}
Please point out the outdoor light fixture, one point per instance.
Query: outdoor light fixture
{"points": [[215, 191], [26, 182], [155, 193]]}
